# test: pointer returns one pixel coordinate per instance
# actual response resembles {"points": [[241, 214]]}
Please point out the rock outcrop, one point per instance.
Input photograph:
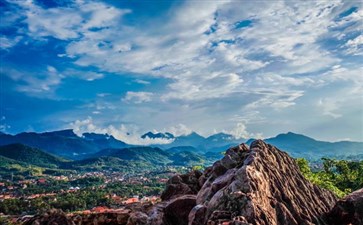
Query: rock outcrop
{"points": [[256, 185], [52, 217], [260, 185], [349, 210], [182, 185]]}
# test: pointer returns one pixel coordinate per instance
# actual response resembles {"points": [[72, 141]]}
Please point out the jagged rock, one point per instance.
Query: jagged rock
{"points": [[197, 215], [175, 190], [156, 215], [122, 218], [202, 179], [137, 218], [264, 187], [177, 210], [51, 217], [348, 210], [218, 169], [182, 185]]}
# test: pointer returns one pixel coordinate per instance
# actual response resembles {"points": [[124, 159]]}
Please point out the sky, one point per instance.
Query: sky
{"points": [[247, 68]]}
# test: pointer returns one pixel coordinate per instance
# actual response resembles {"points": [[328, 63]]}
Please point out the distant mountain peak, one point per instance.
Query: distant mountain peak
{"points": [[291, 135], [160, 135], [221, 137], [193, 134], [96, 136], [64, 133]]}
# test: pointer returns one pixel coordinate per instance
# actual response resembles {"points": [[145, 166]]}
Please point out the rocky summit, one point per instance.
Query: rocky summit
{"points": [[256, 184]]}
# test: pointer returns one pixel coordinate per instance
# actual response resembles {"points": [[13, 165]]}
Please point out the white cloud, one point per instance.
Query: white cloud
{"points": [[3, 125], [215, 65], [240, 132], [212, 86], [47, 80], [178, 130], [338, 74], [84, 75], [285, 81], [69, 22], [138, 97], [6, 43], [276, 99], [329, 107], [101, 95], [128, 134], [355, 46], [35, 83], [140, 81]]}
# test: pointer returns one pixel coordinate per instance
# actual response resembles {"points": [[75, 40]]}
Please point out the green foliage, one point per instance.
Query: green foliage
{"points": [[339, 176], [109, 163], [7, 221], [90, 195], [186, 158], [17, 170], [304, 166], [145, 154], [81, 200], [198, 167], [29, 155]]}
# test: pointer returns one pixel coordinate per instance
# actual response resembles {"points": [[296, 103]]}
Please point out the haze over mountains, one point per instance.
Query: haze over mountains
{"points": [[67, 144]]}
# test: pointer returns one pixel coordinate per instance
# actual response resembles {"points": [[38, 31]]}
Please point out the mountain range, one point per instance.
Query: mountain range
{"points": [[66, 144], [151, 135], [298, 145], [21, 158], [30, 155]]}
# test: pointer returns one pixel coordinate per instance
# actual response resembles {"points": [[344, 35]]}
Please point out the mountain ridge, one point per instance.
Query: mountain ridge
{"points": [[30, 155], [66, 143], [63, 143]]}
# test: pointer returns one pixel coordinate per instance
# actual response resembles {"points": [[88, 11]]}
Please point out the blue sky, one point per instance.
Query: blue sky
{"points": [[251, 69]]}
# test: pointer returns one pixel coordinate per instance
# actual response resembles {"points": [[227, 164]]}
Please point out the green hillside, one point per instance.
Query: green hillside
{"points": [[108, 162], [146, 154], [29, 155], [187, 158]]}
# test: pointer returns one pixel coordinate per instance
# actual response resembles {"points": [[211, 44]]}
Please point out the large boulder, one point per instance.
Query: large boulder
{"points": [[349, 210], [182, 185], [137, 218], [177, 210], [51, 217]]}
